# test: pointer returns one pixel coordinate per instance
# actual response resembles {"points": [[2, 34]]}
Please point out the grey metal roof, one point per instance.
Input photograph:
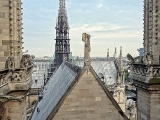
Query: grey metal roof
{"points": [[54, 90], [107, 68]]}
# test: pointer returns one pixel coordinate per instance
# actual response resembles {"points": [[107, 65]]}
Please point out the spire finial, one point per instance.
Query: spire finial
{"points": [[121, 51]]}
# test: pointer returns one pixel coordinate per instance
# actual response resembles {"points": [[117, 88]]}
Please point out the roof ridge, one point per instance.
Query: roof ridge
{"points": [[109, 94], [55, 110]]}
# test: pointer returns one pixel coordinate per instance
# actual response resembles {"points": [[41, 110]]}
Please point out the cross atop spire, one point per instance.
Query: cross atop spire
{"points": [[108, 54]]}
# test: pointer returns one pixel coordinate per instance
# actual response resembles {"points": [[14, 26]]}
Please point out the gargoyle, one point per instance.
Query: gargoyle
{"points": [[24, 60], [149, 58], [27, 60], [130, 58], [9, 63]]}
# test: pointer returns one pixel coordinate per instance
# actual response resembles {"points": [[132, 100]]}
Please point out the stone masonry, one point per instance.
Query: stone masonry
{"points": [[145, 73], [10, 31], [151, 29], [87, 101]]}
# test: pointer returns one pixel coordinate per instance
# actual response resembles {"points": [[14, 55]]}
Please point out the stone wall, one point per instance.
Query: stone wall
{"points": [[88, 101], [14, 108], [155, 105], [148, 105], [151, 29], [143, 105], [119, 96], [10, 31]]}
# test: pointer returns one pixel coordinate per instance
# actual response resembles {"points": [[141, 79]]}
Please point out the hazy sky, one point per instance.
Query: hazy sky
{"points": [[109, 22]]}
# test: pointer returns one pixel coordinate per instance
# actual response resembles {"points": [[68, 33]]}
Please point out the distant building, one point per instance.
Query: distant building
{"points": [[141, 51], [40, 71]]}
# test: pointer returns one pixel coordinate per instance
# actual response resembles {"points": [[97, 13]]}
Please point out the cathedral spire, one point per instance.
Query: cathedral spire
{"points": [[115, 53], [121, 60], [62, 46], [108, 54]]}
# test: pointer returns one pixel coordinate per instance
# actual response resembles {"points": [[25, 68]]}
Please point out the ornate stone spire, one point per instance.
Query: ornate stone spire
{"points": [[108, 54], [120, 60], [115, 53], [62, 46]]}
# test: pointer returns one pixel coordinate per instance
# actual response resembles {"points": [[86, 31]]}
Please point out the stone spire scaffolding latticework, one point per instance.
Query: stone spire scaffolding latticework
{"points": [[62, 46]]}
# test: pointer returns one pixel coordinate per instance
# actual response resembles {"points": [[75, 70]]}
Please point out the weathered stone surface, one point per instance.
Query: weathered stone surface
{"points": [[88, 102], [10, 29], [2, 15], [15, 110], [3, 48]]}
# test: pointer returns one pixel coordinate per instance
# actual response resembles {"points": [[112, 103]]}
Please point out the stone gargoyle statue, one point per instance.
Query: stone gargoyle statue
{"points": [[9, 63], [130, 58], [138, 59], [27, 60]]}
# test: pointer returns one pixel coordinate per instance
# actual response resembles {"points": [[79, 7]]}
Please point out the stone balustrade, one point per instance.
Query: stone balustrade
{"points": [[15, 79], [145, 73]]}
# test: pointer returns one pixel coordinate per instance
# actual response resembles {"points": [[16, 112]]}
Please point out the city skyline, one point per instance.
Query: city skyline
{"points": [[110, 23]]}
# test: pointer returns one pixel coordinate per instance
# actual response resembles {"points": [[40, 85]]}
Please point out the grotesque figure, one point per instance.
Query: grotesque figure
{"points": [[24, 60], [149, 58], [27, 60], [87, 48], [9, 63], [30, 60], [130, 58]]}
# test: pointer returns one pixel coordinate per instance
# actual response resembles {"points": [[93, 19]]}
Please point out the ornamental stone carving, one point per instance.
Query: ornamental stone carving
{"points": [[9, 63], [87, 48], [27, 60]]}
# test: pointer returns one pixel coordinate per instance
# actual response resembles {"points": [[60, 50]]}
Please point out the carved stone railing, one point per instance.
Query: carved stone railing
{"points": [[15, 79], [145, 73]]}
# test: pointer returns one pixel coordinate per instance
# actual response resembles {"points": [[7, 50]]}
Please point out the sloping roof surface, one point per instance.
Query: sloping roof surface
{"points": [[54, 90], [107, 68], [82, 97]]}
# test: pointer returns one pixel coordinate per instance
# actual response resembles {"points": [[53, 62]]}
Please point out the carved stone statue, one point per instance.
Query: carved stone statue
{"points": [[9, 63], [24, 60], [8, 76], [130, 58], [30, 60], [87, 48], [27, 60], [149, 58], [131, 61]]}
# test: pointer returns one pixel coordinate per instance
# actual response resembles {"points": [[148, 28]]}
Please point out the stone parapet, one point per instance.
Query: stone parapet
{"points": [[13, 80], [145, 73]]}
